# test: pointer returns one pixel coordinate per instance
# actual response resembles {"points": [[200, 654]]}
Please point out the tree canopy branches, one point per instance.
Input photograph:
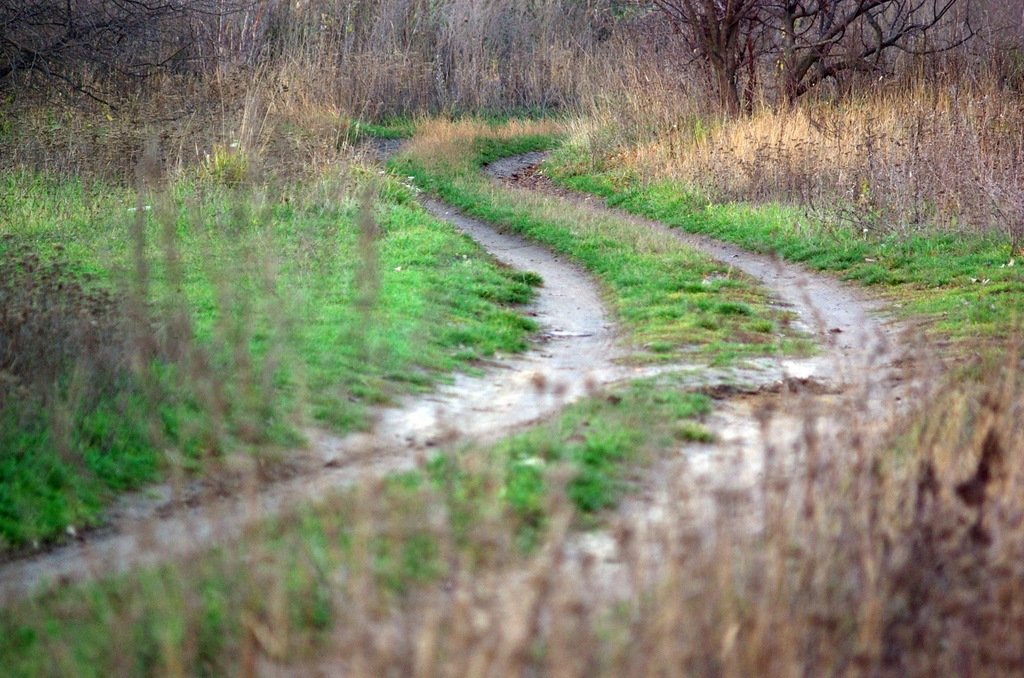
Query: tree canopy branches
{"points": [[808, 41]]}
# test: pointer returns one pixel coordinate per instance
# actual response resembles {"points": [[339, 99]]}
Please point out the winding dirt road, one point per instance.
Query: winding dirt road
{"points": [[577, 351], [858, 343], [852, 392]]}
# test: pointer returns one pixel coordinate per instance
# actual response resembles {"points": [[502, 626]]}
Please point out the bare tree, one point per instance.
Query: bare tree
{"points": [[805, 42], [820, 39], [724, 33]]}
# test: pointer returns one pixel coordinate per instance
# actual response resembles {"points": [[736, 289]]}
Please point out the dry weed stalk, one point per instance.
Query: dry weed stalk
{"points": [[861, 563]]}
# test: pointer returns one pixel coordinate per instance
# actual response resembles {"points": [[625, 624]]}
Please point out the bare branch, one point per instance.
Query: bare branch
{"points": [[808, 41], [59, 40]]}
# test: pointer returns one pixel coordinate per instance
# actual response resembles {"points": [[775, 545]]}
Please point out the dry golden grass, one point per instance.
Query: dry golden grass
{"points": [[321, 66], [923, 154], [443, 142]]}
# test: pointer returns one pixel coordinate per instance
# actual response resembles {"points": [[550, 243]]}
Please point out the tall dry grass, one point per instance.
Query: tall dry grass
{"points": [[933, 141], [312, 67], [932, 154], [300, 73], [390, 57]]}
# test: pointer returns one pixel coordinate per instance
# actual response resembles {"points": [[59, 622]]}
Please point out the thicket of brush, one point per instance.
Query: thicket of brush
{"points": [[292, 76], [373, 57]]}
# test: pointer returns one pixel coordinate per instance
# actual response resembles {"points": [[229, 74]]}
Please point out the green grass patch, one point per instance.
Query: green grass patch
{"points": [[968, 283], [671, 299], [291, 582], [392, 128], [600, 442], [263, 310]]}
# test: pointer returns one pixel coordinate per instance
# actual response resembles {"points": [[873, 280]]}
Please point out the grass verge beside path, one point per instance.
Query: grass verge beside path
{"points": [[333, 568], [672, 300], [970, 284], [257, 312]]}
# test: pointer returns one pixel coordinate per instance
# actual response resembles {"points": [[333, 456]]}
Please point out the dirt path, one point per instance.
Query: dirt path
{"points": [[864, 370], [860, 345], [577, 352], [861, 382]]}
